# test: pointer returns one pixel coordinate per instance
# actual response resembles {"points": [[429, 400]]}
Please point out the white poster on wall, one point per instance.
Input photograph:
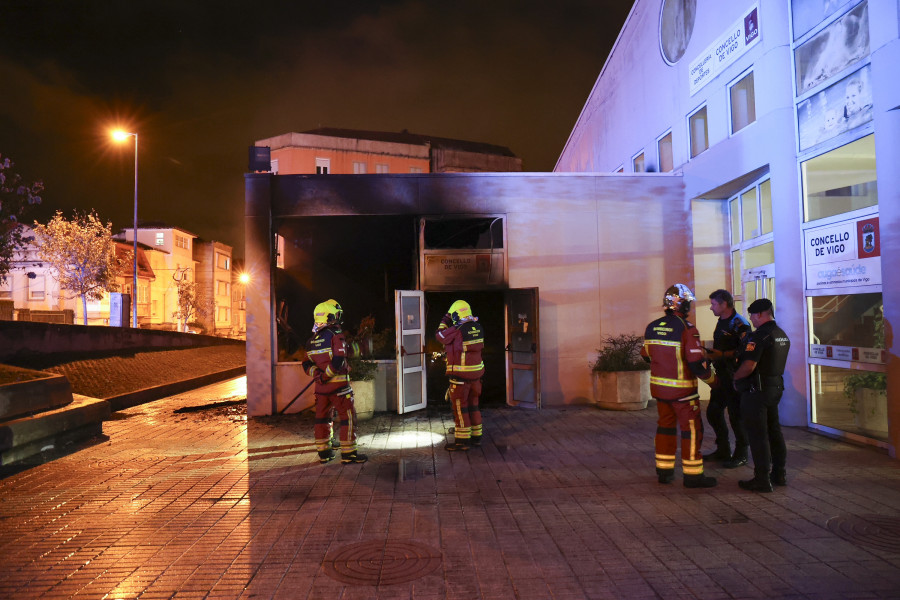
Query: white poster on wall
{"points": [[737, 40], [833, 49], [845, 254], [840, 107]]}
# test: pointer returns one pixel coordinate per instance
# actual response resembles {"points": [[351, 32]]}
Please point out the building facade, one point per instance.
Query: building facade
{"points": [[332, 151], [214, 275], [782, 117]]}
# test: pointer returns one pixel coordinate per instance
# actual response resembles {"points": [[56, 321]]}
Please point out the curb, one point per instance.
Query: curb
{"points": [[131, 399]]}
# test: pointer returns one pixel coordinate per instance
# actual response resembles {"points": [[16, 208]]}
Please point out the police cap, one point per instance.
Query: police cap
{"points": [[760, 306]]}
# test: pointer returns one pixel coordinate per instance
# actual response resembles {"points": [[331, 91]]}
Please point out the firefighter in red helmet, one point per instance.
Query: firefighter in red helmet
{"points": [[463, 340], [328, 352], [677, 360]]}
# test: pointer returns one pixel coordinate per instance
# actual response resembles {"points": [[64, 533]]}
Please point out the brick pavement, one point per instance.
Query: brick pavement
{"points": [[560, 503]]}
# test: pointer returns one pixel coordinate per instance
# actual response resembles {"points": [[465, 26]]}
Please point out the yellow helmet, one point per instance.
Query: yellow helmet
{"points": [[460, 310], [324, 314], [338, 311]]}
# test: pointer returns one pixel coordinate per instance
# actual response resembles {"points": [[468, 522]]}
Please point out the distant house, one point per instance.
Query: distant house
{"points": [[214, 281], [332, 151]]}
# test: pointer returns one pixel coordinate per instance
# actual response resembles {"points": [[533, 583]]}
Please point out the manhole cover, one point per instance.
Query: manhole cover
{"points": [[876, 531], [380, 562]]}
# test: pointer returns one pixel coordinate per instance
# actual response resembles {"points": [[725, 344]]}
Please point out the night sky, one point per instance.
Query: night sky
{"points": [[201, 81]]}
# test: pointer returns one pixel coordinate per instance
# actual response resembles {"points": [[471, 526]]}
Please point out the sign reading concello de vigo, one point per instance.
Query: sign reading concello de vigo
{"points": [[845, 254], [737, 39]]}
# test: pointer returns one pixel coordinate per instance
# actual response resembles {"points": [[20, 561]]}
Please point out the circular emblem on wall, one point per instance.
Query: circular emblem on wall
{"points": [[676, 23]]}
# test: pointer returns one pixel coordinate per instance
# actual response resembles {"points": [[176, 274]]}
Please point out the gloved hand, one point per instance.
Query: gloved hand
{"points": [[308, 367], [447, 320]]}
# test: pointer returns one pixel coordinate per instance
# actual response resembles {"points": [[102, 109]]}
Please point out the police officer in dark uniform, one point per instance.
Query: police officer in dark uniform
{"points": [[759, 379], [730, 331]]}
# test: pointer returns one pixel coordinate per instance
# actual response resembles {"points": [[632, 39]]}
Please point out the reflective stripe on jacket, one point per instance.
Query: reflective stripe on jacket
{"points": [[463, 343], [671, 343]]}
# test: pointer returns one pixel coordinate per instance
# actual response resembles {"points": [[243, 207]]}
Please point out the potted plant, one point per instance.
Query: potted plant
{"points": [[620, 376], [867, 395]]}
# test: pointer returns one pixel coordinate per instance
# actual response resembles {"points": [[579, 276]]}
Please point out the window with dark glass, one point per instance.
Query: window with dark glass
{"points": [[484, 233]]}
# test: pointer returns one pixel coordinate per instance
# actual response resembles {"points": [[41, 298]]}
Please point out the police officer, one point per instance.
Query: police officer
{"points": [[759, 379], [672, 347], [463, 340], [328, 352], [730, 330]]}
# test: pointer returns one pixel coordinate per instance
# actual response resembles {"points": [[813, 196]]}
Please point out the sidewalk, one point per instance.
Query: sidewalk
{"points": [[558, 503]]}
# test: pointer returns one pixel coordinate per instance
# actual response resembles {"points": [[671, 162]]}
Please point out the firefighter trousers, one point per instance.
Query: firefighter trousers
{"points": [[464, 395], [683, 413], [342, 400]]}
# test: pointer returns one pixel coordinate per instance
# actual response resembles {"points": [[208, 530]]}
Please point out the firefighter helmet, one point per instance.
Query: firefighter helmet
{"points": [[459, 311], [324, 314], [338, 311], [678, 298]]}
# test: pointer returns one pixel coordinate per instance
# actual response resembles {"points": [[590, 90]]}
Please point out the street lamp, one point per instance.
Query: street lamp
{"points": [[121, 136]]}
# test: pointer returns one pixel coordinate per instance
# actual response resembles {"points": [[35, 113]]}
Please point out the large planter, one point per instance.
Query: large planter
{"points": [[871, 411], [621, 390], [364, 399]]}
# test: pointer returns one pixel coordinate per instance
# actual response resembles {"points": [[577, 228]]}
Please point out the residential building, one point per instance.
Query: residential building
{"points": [[332, 151], [214, 275]]}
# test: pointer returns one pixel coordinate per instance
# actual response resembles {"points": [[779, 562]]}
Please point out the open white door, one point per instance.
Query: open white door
{"points": [[409, 309], [523, 367]]}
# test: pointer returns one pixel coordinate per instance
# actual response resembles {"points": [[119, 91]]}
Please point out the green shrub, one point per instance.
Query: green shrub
{"points": [[621, 353]]}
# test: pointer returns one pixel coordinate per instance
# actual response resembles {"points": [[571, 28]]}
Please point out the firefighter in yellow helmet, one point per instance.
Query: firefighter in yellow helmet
{"points": [[463, 340], [672, 347], [328, 352]]}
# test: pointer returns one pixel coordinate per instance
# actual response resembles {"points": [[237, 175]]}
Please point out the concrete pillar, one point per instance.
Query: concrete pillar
{"points": [[258, 257]]}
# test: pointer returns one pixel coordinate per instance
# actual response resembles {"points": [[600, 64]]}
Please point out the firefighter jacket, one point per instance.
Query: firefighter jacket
{"points": [[676, 357], [328, 352], [463, 343]]}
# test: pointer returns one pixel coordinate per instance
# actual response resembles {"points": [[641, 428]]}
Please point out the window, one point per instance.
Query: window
{"points": [[182, 241], [637, 163], [223, 288], [415, 169], [224, 314], [160, 239], [143, 294], [699, 132], [840, 181], [664, 148], [6, 288], [475, 233], [35, 287], [381, 168], [323, 166], [223, 261], [743, 103], [752, 245], [359, 168]]}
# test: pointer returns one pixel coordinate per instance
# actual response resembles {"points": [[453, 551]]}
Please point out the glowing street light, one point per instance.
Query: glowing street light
{"points": [[120, 136], [244, 278]]}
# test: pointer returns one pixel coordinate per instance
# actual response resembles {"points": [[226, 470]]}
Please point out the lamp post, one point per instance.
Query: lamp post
{"points": [[121, 136]]}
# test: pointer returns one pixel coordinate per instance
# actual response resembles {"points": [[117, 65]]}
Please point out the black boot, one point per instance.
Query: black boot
{"points": [[457, 445], [699, 481], [665, 475], [325, 456], [353, 457], [719, 454], [475, 441], [759, 483], [778, 477], [739, 458]]}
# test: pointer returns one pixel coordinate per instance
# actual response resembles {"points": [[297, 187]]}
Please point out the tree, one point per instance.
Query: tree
{"points": [[82, 254], [192, 305], [16, 200]]}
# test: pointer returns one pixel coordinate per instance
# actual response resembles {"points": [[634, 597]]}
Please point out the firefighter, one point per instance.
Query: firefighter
{"points": [[672, 347], [328, 352], [463, 340]]}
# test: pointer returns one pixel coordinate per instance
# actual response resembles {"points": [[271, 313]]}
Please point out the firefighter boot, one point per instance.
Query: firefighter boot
{"points": [[353, 457], [665, 475], [457, 445], [325, 456], [739, 458], [699, 481], [759, 483], [475, 441]]}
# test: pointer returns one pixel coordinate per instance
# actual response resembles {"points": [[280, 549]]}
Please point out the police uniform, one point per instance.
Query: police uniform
{"points": [[672, 346], [463, 340], [760, 394], [327, 352], [727, 338]]}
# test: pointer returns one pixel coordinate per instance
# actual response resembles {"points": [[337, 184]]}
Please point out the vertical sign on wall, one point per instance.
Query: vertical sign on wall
{"points": [[731, 45]]}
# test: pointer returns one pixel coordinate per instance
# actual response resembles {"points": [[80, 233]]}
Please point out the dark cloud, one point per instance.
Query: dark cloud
{"points": [[200, 81]]}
